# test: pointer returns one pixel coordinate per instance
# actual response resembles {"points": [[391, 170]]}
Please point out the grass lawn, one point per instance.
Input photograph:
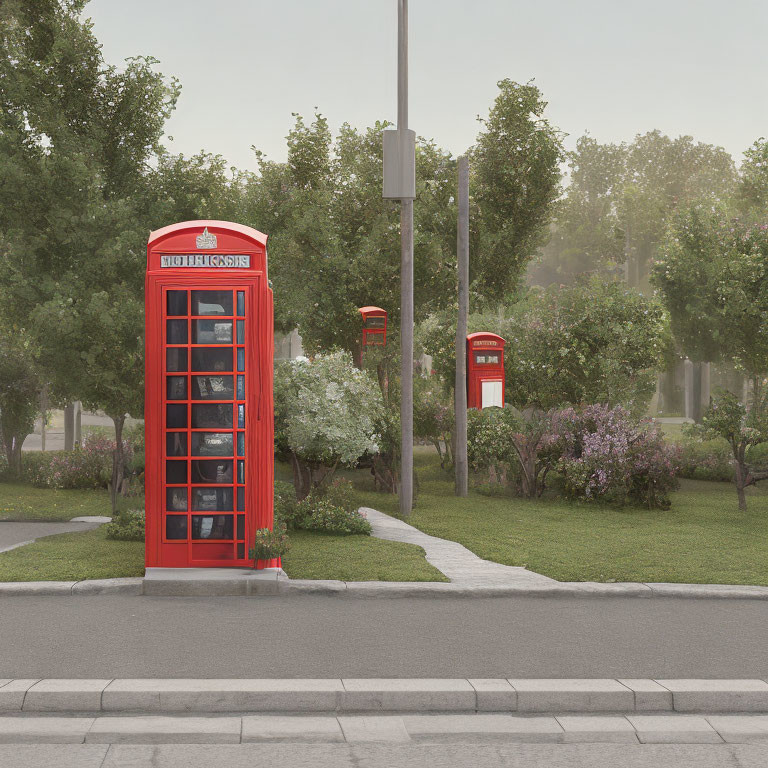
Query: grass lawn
{"points": [[703, 538], [73, 557], [19, 501], [356, 558]]}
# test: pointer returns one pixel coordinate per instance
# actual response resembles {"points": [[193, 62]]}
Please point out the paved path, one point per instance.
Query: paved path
{"points": [[451, 558], [13, 535], [316, 636], [484, 754]]}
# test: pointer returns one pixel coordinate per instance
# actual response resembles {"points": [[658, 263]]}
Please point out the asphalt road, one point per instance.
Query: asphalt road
{"points": [[309, 636], [479, 755]]}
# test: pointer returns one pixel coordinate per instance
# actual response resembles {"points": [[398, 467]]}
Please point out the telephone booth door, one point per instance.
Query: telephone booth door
{"points": [[209, 414]]}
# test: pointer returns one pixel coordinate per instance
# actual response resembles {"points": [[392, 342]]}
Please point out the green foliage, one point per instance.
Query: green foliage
{"points": [[490, 449], [515, 180], [713, 275], [127, 525], [323, 515], [268, 544], [326, 413], [705, 460], [433, 414]]}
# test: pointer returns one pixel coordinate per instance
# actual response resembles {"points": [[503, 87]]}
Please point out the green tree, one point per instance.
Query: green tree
{"points": [[77, 137]]}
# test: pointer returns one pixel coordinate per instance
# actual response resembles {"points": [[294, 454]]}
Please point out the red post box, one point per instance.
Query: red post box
{"points": [[374, 328], [485, 370], [208, 385]]}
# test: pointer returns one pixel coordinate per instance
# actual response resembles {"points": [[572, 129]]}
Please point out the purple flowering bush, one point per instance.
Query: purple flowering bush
{"points": [[89, 466], [608, 456]]}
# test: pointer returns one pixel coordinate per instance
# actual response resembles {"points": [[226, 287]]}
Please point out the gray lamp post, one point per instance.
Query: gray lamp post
{"points": [[400, 184]]}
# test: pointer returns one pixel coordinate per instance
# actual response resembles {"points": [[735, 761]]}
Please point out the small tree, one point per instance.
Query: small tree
{"points": [[326, 414], [743, 429]]}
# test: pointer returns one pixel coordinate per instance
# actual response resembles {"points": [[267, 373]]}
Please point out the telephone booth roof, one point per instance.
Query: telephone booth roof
{"points": [[223, 226], [374, 311], [485, 336]]}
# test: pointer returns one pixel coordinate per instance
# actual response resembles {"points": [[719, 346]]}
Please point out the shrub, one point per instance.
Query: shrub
{"points": [[268, 544], [285, 505], [608, 456], [705, 460], [127, 526], [321, 514]]}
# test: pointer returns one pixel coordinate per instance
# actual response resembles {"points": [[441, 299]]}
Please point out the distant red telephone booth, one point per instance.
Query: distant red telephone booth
{"points": [[374, 328], [485, 370], [208, 388]]}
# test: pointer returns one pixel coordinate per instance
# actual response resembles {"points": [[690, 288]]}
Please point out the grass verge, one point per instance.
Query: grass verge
{"points": [[73, 557], [702, 539], [19, 501]]}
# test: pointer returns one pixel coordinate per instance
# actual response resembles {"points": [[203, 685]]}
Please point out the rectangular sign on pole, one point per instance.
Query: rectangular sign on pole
{"points": [[399, 165]]}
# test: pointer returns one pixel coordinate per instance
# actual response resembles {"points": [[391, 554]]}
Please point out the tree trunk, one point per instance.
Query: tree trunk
{"points": [[696, 412], [118, 462], [302, 478], [741, 477]]}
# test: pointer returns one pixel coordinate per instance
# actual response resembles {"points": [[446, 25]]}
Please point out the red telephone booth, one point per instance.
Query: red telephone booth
{"points": [[485, 370], [208, 386], [374, 328]]}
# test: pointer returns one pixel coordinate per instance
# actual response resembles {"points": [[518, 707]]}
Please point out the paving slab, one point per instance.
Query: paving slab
{"points": [[164, 730], [13, 692], [596, 728], [572, 695], [649, 695], [740, 729], [224, 695], [65, 695], [673, 729], [55, 756], [494, 695], [483, 727], [290, 728], [44, 730], [718, 695], [401, 695], [366, 728]]}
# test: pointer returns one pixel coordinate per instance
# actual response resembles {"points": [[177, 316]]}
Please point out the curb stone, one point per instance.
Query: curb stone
{"points": [[382, 695]]}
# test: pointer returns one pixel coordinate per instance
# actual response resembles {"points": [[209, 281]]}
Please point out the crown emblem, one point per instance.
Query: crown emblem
{"points": [[206, 240]]}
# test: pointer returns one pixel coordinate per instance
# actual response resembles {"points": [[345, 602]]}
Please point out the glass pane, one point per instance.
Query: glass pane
{"points": [[211, 302], [175, 415], [212, 499], [177, 387], [175, 443], [211, 359], [241, 526], [240, 359], [176, 331], [241, 331], [241, 499], [211, 471], [241, 551], [241, 303], [176, 527], [175, 471], [211, 443], [211, 526], [241, 387], [241, 416], [175, 359], [374, 322], [211, 331], [241, 443], [176, 499], [212, 416], [177, 303], [212, 388], [241, 471]]}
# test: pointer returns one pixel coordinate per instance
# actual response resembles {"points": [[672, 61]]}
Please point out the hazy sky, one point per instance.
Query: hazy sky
{"points": [[615, 68]]}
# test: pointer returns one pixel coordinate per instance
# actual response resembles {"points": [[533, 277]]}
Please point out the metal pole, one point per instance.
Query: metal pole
{"points": [[460, 390], [406, 280]]}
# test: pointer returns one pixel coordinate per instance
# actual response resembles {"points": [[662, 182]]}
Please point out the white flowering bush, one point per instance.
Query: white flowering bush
{"points": [[326, 414]]}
